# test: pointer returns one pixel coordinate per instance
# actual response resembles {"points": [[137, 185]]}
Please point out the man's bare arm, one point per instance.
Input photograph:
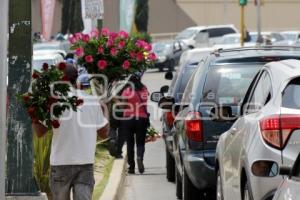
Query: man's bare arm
{"points": [[103, 132]]}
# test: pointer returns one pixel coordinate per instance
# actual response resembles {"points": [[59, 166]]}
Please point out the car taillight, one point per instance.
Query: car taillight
{"points": [[276, 129], [169, 116], [193, 126]]}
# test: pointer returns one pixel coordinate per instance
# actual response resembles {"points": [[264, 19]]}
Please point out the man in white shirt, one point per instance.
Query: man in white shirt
{"points": [[74, 144]]}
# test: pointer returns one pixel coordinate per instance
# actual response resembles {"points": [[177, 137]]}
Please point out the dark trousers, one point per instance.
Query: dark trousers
{"points": [[134, 131]]}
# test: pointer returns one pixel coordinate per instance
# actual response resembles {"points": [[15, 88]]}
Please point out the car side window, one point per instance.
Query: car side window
{"points": [[261, 94], [188, 90]]}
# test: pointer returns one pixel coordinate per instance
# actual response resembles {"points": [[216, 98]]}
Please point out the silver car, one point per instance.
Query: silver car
{"points": [[289, 188], [268, 129]]}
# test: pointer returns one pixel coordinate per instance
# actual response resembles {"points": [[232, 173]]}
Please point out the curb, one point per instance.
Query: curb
{"points": [[116, 179]]}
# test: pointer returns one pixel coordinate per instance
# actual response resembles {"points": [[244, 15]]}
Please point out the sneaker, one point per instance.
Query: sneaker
{"points": [[141, 166]]}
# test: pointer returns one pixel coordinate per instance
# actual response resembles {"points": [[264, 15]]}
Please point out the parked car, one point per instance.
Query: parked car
{"points": [[289, 188], [232, 41], [269, 38], [168, 54], [222, 79], [204, 36], [51, 59], [188, 64], [267, 130], [51, 51], [291, 37], [54, 45]]}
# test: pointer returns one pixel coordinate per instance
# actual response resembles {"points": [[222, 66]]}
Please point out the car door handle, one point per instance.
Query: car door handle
{"points": [[233, 131]]}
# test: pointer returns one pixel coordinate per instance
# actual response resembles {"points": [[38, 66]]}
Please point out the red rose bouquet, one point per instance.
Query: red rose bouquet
{"points": [[112, 54], [49, 96]]}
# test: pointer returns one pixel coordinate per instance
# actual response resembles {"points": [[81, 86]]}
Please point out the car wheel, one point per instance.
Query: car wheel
{"points": [[178, 185], [161, 68], [171, 65], [189, 191], [170, 165], [219, 192], [246, 192]]}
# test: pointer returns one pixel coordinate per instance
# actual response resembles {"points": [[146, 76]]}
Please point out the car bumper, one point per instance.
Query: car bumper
{"points": [[199, 171]]}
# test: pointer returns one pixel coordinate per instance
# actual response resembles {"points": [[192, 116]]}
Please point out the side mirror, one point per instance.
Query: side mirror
{"points": [[156, 96], [169, 76], [222, 113], [166, 103], [164, 89], [285, 171], [265, 168]]}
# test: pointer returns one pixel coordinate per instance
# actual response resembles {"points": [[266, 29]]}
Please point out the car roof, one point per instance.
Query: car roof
{"points": [[252, 52], [284, 70], [210, 27]]}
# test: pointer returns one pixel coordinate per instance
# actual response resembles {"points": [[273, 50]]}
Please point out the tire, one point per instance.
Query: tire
{"points": [[178, 185], [161, 68], [170, 165], [171, 65], [246, 192], [189, 191], [219, 192]]}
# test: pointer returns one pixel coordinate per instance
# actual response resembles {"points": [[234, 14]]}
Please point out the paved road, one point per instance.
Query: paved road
{"points": [[152, 184]]}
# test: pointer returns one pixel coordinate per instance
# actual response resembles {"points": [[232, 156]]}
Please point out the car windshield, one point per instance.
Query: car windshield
{"points": [[162, 48], [188, 33], [230, 40], [228, 84], [45, 46], [290, 36]]}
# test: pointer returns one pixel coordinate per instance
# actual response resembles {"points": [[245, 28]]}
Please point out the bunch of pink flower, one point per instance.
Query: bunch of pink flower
{"points": [[112, 53]]}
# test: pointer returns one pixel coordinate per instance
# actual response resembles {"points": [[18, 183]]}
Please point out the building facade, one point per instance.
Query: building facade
{"points": [[167, 16]]}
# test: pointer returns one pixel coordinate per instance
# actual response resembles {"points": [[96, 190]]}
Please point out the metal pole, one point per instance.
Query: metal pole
{"points": [[3, 79], [242, 25], [20, 179], [258, 6]]}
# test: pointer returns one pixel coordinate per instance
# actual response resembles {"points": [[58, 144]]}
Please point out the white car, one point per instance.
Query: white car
{"points": [[232, 41], [268, 129], [204, 36], [291, 37], [39, 60]]}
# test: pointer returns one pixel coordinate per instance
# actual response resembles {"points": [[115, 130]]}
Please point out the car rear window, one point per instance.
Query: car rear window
{"points": [[228, 84], [290, 98]]}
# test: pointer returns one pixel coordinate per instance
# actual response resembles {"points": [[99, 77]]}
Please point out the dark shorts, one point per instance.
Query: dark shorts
{"points": [[79, 178]]}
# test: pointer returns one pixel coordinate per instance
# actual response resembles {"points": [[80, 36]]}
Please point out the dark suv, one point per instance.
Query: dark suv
{"points": [[218, 86], [179, 81]]}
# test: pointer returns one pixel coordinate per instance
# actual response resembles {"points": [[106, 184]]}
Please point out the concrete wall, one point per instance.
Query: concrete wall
{"points": [[276, 14]]}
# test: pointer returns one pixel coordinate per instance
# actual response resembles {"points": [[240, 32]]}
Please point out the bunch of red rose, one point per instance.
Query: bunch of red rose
{"points": [[113, 54], [49, 96]]}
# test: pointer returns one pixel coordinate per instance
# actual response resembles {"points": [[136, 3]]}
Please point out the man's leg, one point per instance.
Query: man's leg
{"points": [[83, 184], [60, 182]]}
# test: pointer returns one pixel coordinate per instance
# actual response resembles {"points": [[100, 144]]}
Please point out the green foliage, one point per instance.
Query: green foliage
{"points": [[142, 15], [42, 150], [142, 36], [45, 104]]}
